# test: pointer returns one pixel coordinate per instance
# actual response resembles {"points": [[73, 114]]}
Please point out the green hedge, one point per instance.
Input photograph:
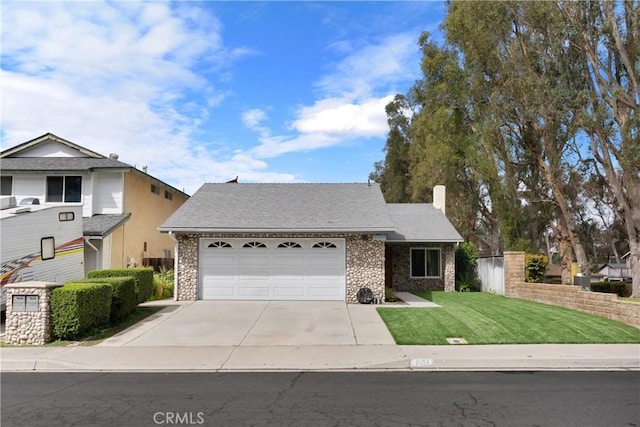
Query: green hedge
{"points": [[76, 307], [142, 275], [620, 288], [123, 296], [535, 267]]}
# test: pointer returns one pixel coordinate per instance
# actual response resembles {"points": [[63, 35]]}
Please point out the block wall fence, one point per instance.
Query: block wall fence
{"points": [[573, 297]]}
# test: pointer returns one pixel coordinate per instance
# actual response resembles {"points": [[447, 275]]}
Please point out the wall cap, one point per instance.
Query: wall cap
{"points": [[33, 284]]}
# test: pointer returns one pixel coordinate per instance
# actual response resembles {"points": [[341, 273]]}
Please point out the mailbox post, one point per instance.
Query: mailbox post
{"points": [[29, 312]]}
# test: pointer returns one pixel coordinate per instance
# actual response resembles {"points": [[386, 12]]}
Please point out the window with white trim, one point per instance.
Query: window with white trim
{"points": [[219, 245], [67, 189], [289, 245], [254, 245], [425, 262]]}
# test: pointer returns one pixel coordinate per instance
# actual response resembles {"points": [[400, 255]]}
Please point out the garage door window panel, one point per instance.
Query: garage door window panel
{"points": [[254, 245], [222, 245], [324, 245], [289, 245]]}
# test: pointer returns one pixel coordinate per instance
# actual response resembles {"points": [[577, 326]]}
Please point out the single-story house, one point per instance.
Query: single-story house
{"points": [[308, 242]]}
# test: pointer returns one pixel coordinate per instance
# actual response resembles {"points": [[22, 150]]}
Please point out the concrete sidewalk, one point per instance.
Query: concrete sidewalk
{"points": [[369, 348], [323, 358]]}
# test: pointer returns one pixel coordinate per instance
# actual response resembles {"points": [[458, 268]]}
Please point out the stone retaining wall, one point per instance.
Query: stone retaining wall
{"points": [[573, 297]]}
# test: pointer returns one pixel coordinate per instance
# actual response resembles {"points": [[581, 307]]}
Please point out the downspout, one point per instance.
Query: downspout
{"points": [[88, 242], [175, 267]]}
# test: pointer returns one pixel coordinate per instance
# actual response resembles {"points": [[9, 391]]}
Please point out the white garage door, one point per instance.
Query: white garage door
{"points": [[272, 269]]}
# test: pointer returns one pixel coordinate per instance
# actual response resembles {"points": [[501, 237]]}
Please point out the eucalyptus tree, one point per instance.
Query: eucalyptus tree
{"points": [[522, 74], [606, 34]]}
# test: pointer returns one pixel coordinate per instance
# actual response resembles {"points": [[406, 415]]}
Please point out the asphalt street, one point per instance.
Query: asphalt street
{"points": [[310, 399]]}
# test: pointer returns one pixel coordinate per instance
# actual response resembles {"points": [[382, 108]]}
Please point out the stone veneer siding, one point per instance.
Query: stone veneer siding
{"points": [[364, 263], [29, 327], [401, 268], [572, 297], [365, 266]]}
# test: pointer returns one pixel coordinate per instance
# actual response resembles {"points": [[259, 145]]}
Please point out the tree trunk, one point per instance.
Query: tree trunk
{"points": [[634, 247]]}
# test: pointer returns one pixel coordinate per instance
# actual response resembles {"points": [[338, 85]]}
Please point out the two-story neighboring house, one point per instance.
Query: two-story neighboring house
{"points": [[122, 206]]}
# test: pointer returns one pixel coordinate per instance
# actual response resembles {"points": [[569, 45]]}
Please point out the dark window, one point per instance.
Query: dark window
{"points": [[425, 262], [168, 195], [289, 245], [47, 248], [7, 186], [72, 189], [254, 245], [144, 247], [55, 187], [66, 216], [155, 189], [66, 189]]}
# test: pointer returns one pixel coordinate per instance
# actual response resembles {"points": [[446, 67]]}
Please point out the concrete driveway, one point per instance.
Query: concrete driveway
{"points": [[256, 323]]}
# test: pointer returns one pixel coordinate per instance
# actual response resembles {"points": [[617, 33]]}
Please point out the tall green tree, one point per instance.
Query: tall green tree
{"points": [[607, 37], [393, 173]]}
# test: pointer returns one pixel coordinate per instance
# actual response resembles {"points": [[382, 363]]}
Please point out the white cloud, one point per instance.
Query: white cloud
{"points": [[353, 97], [373, 68], [252, 118], [343, 117], [114, 77]]}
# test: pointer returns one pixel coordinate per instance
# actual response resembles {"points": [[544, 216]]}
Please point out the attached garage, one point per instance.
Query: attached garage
{"points": [[272, 269]]}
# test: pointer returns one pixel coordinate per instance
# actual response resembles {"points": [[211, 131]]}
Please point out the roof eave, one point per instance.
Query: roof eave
{"points": [[65, 171], [425, 241], [185, 230]]}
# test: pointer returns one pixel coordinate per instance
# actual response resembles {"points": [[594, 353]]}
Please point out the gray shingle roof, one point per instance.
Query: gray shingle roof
{"points": [[103, 225], [62, 164], [420, 222], [283, 207]]}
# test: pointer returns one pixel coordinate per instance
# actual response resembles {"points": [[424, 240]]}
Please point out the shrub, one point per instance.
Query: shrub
{"points": [[469, 282], [76, 307], [143, 277], [620, 288], [535, 267], [123, 295], [466, 263], [163, 284]]}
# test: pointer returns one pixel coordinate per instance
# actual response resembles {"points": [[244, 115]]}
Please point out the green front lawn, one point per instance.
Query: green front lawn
{"points": [[484, 318]]}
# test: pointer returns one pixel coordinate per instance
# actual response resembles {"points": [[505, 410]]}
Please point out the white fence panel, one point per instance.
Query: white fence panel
{"points": [[491, 274]]}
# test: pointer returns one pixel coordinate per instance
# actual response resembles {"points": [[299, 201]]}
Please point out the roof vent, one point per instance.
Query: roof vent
{"points": [[114, 156]]}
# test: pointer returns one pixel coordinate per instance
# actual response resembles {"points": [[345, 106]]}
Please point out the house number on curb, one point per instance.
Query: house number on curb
{"points": [[25, 302], [421, 362]]}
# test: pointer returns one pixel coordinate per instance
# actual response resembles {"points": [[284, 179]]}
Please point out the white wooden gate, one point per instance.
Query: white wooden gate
{"points": [[491, 274]]}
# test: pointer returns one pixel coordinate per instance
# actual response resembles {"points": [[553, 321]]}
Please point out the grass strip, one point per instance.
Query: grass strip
{"points": [[485, 318]]}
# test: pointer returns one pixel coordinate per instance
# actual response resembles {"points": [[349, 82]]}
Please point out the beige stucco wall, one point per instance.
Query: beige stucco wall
{"points": [[401, 270], [148, 211], [364, 262]]}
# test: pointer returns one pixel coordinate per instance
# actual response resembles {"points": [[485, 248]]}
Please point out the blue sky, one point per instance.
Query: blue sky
{"points": [[206, 91]]}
